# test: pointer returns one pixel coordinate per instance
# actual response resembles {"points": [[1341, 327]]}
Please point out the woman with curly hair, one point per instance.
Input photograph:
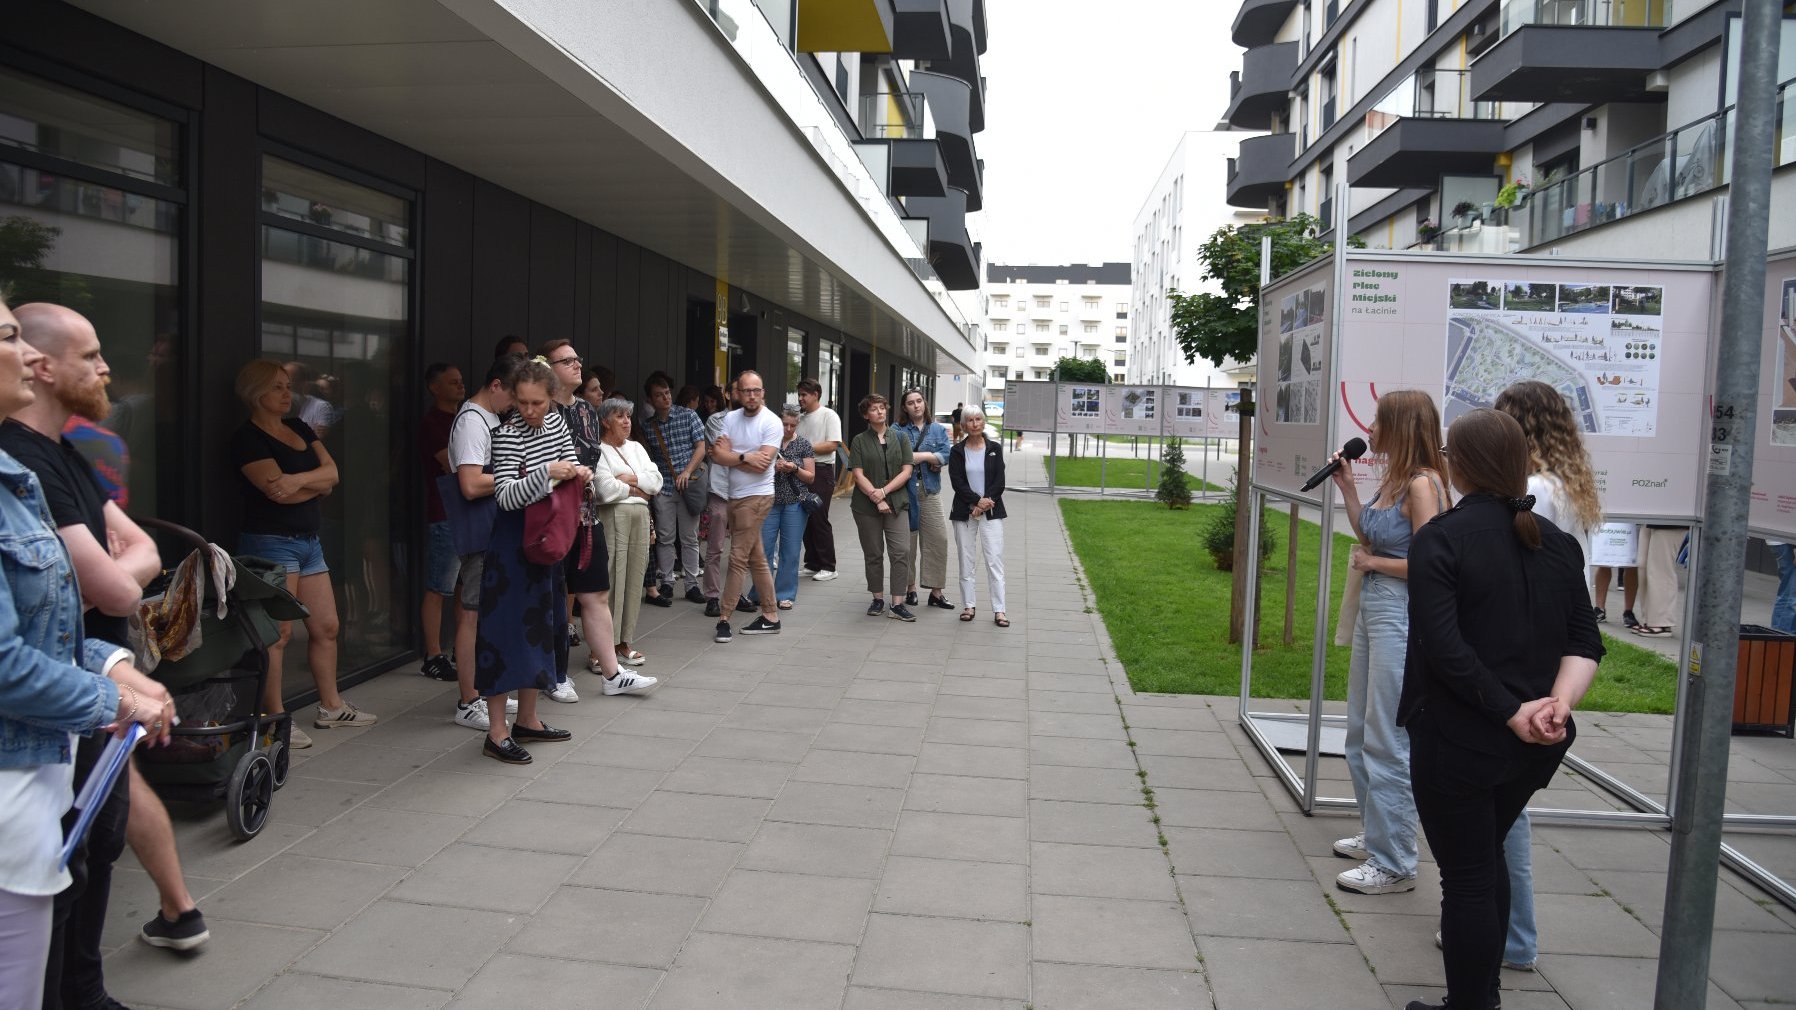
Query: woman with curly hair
{"points": [[1406, 430], [1564, 492]]}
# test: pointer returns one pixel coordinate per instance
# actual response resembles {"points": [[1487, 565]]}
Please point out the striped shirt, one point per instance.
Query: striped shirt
{"points": [[521, 458]]}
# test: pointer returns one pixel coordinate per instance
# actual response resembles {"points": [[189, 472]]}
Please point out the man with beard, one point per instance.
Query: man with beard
{"points": [[113, 559]]}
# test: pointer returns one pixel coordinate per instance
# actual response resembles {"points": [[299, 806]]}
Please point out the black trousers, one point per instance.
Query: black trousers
{"points": [[1467, 801], [819, 537], [73, 979]]}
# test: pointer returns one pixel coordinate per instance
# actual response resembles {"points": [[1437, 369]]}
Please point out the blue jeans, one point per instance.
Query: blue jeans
{"points": [[1783, 609], [782, 538], [1377, 750], [1521, 944]]}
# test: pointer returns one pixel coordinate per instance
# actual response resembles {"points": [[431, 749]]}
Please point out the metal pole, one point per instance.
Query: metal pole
{"points": [[1054, 439], [1103, 463], [1684, 943]]}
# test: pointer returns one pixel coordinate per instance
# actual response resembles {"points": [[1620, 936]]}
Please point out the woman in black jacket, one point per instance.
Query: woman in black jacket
{"points": [[1502, 646], [976, 472]]}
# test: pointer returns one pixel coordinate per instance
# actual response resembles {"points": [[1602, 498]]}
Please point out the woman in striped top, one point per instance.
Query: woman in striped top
{"points": [[522, 643]]}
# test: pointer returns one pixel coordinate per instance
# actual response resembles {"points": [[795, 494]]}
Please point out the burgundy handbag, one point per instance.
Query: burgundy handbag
{"points": [[550, 524]]}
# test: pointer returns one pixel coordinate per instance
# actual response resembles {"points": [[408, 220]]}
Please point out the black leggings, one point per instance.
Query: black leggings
{"points": [[1467, 801]]}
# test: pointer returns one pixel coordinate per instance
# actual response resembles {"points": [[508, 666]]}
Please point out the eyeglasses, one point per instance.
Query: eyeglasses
{"points": [[570, 360], [748, 390]]}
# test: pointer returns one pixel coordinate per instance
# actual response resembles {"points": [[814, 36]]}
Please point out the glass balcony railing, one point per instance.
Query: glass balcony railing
{"points": [[891, 115], [1430, 94], [1686, 162], [1585, 13]]}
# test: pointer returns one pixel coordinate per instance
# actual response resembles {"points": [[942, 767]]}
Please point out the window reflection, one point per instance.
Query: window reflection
{"points": [[337, 313], [829, 373], [794, 364], [51, 120]]}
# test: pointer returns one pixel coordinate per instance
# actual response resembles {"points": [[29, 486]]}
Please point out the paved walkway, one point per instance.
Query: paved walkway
{"points": [[860, 814]]}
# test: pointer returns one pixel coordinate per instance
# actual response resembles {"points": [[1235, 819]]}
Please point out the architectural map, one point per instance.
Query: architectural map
{"points": [[1598, 344]]}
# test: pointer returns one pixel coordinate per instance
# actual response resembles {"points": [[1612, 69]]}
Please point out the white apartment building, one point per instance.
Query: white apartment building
{"points": [[1037, 315], [1617, 113], [1179, 214]]}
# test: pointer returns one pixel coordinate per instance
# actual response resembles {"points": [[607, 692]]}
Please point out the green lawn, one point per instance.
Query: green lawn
{"points": [[1119, 472], [1166, 607]]}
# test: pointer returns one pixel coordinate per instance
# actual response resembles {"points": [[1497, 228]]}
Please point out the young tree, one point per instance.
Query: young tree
{"points": [[1175, 487], [1226, 325], [1086, 370]]}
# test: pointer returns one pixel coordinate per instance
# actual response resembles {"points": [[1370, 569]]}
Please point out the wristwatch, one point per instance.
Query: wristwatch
{"points": [[741, 458]]}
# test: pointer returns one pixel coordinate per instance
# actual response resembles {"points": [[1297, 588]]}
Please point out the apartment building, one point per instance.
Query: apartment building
{"points": [[694, 186], [1036, 315], [1169, 229], [1590, 126]]}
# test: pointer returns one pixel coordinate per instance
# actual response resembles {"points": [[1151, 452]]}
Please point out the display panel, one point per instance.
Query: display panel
{"points": [[1296, 378]]}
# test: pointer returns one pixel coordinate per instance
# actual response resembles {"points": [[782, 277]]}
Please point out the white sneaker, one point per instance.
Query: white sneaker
{"points": [[473, 715], [563, 692], [1353, 848], [511, 705], [629, 683], [823, 576], [1370, 878]]}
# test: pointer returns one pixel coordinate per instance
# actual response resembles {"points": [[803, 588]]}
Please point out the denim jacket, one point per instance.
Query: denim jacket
{"points": [[932, 438], [50, 673]]}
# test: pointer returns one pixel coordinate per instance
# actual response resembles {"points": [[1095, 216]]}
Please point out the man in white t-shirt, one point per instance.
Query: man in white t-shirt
{"points": [[822, 427], [757, 431]]}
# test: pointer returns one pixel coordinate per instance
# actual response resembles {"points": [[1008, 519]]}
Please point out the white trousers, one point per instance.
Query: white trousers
{"points": [[986, 534], [24, 947]]}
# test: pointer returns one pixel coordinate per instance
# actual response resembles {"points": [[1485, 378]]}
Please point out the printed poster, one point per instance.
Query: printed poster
{"points": [[1133, 410], [1783, 393], [1598, 344], [1614, 545], [1302, 327]]}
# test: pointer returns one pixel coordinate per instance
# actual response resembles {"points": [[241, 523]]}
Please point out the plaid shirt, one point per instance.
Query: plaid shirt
{"points": [[682, 432]]}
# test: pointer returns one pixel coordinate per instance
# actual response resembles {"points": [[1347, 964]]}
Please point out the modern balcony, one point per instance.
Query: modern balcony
{"points": [[1259, 88], [966, 33], [1587, 51], [1258, 21], [846, 26], [1259, 172], [950, 105], [952, 253], [1425, 128], [898, 132], [920, 31]]}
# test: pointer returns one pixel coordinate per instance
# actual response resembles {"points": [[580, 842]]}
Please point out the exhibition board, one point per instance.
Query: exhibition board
{"points": [[1628, 345], [1773, 508], [1082, 408], [1292, 417]]}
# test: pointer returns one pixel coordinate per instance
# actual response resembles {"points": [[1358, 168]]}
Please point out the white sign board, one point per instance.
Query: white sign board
{"points": [[1773, 506], [1296, 379]]}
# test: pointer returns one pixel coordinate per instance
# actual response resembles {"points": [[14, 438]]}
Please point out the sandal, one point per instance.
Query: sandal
{"points": [[785, 604], [968, 614], [1001, 621], [632, 658], [1650, 630]]}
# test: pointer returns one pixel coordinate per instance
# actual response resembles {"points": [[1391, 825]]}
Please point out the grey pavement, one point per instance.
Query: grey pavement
{"points": [[862, 814]]}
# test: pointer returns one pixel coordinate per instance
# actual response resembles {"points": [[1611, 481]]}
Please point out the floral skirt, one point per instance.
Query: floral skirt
{"points": [[522, 639]]}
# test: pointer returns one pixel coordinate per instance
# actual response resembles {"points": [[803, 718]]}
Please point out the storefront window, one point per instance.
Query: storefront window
{"points": [[794, 364], [109, 250], [338, 313], [829, 373]]}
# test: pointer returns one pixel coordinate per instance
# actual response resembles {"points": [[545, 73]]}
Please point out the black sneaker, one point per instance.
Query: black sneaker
{"points": [[762, 626], [743, 606], [723, 633], [693, 595], [901, 612], [877, 607], [186, 932], [438, 667], [664, 600], [508, 751], [910, 598], [713, 608], [1600, 616]]}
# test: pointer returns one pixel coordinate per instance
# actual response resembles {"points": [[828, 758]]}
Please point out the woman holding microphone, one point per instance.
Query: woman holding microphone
{"points": [[1406, 430]]}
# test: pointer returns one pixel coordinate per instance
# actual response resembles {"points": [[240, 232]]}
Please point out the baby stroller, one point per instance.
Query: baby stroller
{"points": [[225, 747]]}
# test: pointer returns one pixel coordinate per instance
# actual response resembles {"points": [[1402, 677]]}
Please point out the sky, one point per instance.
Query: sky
{"points": [[1084, 104]]}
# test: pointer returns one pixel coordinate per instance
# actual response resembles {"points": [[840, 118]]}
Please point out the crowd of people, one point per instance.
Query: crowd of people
{"points": [[543, 435]]}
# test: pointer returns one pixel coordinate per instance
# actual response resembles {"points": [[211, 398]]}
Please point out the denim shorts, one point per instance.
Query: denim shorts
{"points": [[441, 565], [298, 555]]}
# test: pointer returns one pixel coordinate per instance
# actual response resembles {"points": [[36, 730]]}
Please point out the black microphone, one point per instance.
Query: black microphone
{"points": [[1354, 449]]}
